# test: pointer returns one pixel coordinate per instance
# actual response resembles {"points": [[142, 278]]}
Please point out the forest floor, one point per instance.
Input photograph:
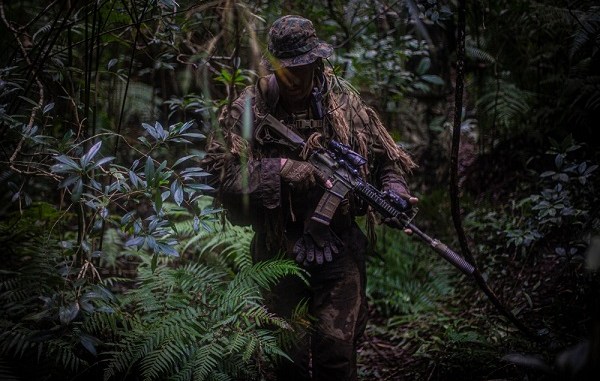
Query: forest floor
{"points": [[464, 339], [382, 357]]}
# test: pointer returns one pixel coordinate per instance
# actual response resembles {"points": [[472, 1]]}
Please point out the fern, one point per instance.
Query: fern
{"points": [[198, 322], [477, 53], [407, 280], [45, 312], [231, 246], [505, 103]]}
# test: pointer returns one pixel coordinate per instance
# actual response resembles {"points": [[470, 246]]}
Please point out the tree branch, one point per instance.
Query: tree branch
{"points": [[454, 190]]}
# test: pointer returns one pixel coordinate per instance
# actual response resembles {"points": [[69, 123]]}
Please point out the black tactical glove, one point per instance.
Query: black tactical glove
{"points": [[301, 175], [318, 243]]}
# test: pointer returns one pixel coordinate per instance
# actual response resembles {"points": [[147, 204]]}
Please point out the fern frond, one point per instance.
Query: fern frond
{"points": [[479, 55], [392, 286], [207, 360], [218, 376], [505, 103], [233, 244], [265, 274], [196, 321], [551, 16]]}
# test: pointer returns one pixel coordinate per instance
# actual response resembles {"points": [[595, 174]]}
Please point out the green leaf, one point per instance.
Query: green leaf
{"points": [[68, 181], [160, 132], [111, 63], [182, 159], [62, 168], [178, 195], [134, 178], [194, 135], [135, 241], [162, 166], [158, 201], [421, 87], [85, 159], [68, 161], [149, 169], [154, 262], [167, 250], [186, 126], [591, 169], [48, 107], [424, 65], [89, 343], [144, 141], [433, 79], [104, 160], [69, 312], [77, 190], [29, 100], [196, 224], [127, 217], [199, 187], [151, 130]]}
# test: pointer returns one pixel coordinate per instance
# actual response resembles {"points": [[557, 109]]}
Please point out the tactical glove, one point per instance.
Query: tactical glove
{"points": [[301, 174], [318, 243]]}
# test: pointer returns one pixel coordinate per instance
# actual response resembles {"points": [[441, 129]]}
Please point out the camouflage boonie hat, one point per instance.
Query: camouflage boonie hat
{"points": [[292, 42]]}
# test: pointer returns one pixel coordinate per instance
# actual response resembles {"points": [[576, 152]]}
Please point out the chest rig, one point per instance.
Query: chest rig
{"points": [[313, 128], [313, 120]]}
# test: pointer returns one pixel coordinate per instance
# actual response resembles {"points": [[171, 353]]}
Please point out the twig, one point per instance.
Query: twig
{"points": [[37, 79]]}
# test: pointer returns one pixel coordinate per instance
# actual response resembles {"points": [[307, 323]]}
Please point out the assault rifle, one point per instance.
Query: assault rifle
{"points": [[341, 166]]}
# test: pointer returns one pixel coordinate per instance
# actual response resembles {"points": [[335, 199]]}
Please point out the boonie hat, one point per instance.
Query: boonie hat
{"points": [[293, 41]]}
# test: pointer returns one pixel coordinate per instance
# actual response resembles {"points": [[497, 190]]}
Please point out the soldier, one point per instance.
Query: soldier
{"points": [[276, 191]]}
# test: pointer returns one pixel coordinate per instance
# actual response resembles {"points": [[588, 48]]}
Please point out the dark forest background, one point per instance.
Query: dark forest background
{"points": [[116, 264]]}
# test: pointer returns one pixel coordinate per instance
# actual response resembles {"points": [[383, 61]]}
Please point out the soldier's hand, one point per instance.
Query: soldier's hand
{"points": [[302, 175], [317, 244], [405, 203]]}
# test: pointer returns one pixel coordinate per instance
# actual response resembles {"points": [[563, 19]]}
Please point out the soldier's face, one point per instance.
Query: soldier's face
{"points": [[295, 83]]}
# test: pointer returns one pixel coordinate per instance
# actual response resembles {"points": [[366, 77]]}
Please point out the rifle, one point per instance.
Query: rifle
{"points": [[341, 165]]}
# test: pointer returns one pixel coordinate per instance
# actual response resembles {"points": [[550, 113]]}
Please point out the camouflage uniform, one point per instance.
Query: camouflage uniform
{"points": [[250, 187]]}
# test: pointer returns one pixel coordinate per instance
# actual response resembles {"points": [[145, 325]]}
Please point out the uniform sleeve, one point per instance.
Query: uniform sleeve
{"points": [[391, 179], [242, 181]]}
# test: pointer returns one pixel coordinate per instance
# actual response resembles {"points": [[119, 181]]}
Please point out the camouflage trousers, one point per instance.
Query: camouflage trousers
{"points": [[337, 303]]}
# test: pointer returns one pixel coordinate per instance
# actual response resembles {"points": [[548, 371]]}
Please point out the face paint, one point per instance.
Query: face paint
{"points": [[295, 83]]}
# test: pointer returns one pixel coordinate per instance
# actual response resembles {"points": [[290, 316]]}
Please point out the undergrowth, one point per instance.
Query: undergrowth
{"points": [[197, 317]]}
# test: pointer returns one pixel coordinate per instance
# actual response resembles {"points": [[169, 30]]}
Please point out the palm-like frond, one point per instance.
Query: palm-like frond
{"points": [[505, 103]]}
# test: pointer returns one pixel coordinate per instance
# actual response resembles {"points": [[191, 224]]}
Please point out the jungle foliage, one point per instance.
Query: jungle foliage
{"points": [[116, 264]]}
